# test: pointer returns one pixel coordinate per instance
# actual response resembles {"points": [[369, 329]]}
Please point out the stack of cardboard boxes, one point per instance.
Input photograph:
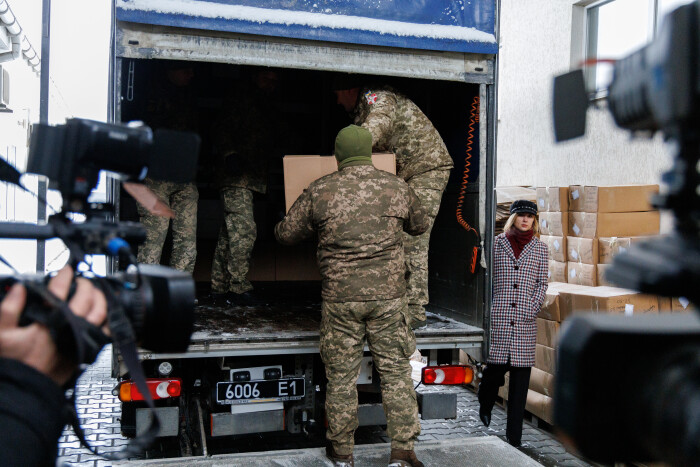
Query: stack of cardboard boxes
{"points": [[553, 206], [605, 218]]}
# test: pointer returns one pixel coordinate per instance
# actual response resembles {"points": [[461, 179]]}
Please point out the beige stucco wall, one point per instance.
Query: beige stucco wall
{"points": [[535, 45]]}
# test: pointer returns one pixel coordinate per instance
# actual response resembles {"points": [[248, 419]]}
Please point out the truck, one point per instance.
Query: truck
{"points": [[253, 372]]}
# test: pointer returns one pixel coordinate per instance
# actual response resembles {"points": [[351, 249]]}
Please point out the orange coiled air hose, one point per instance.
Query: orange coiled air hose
{"points": [[474, 119]]}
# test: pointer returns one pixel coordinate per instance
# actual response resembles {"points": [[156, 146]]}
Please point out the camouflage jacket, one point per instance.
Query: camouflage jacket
{"points": [[399, 126], [360, 214]]}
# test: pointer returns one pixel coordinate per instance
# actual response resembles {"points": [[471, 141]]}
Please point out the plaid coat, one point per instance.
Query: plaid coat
{"points": [[519, 288]]}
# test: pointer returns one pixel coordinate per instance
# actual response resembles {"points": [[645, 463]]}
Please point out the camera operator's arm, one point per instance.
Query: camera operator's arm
{"points": [[31, 372]]}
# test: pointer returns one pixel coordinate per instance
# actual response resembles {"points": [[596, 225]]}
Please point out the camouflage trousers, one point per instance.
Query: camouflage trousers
{"points": [[383, 324], [235, 245], [428, 187], [182, 199]]}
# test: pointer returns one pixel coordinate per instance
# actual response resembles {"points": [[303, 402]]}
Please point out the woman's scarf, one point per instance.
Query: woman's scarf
{"points": [[518, 239]]}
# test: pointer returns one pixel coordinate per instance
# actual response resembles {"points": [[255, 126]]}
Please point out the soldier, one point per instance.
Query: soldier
{"points": [[360, 214], [172, 107], [243, 146], [422, 160]]}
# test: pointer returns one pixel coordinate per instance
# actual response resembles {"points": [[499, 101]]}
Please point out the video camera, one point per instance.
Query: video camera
{"points": [[628, 388], [148, 305]]}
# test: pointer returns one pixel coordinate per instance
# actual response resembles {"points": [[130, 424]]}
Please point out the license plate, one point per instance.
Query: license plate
{"points": [[268, 390]]}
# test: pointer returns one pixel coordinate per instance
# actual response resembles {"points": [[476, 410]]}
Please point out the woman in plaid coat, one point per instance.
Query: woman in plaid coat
{"points": [[520, 282]]}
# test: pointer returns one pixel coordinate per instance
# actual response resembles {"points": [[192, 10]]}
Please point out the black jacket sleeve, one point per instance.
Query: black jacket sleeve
{"points": [[31, 415]]}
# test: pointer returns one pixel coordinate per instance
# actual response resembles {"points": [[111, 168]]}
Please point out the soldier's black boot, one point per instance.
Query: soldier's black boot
{"points": [[404, 458], [338, 460]]}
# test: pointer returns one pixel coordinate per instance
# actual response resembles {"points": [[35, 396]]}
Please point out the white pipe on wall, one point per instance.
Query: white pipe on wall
{"points": [[20, 44]]}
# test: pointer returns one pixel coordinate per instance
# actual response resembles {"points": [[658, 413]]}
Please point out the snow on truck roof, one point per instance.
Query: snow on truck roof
{"points": [[460, 26]]}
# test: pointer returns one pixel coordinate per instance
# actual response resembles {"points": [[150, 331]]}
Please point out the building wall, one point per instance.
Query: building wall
{"points": [[535, 46], [15, 204]]}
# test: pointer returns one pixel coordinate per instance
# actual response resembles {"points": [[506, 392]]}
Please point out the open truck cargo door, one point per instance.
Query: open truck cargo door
{"points": [[442, 52]]}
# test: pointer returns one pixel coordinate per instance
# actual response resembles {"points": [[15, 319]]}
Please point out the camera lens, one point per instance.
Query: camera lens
{"points": [[161, 309]]}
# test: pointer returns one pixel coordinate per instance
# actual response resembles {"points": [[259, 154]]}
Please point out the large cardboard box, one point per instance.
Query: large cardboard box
{"points": [[582, 250], [601, 275], [550, 308], [581, 274], [553, 198], [300, 171], [606, 300], [540, 406], [556, 246], [542, 382], [681, 304], [554, 223], [547, 331], [545, 358], [557, 271], [609, 247], [613, 224], [623, 198], [503, 390]]}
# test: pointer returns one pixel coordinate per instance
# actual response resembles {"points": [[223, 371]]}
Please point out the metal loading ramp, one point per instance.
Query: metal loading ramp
{"points": [[478, 451]]}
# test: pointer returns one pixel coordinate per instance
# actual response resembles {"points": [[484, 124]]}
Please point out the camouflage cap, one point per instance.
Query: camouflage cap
{"points": [[353, 146]]}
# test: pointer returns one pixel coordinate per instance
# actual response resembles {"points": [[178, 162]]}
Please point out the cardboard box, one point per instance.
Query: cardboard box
{"points": [[542, 382], [679, 304], [601, 275], [540, 406], [300, 171], [609, 247], [551, 309], [503, 390], [553, 198], [557, 271], [606, 300], [556, 246], [613, 224], [547, 331], [582, 250], [622, 198], [544, 358], [554, 223], [581, 274]]}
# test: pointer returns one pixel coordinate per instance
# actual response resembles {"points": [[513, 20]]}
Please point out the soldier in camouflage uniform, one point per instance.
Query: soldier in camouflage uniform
{"points": [[243, 145], [172, 106], [422, 160], [360, 214]]}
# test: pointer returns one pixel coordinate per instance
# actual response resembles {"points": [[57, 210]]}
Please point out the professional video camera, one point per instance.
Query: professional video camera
{"points": [[148, 305], [628, 388]]}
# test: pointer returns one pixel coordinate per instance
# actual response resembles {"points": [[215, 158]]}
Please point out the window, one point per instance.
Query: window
{"points": [[613, 29]]}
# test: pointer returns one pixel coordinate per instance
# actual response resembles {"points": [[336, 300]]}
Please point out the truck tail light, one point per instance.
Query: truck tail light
{"points": [[160, 388], [448, 374]]}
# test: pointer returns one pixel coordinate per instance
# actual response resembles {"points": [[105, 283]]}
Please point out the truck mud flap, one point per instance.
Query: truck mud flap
{"points": [[169, 418], [226, 424], [437, 405]]}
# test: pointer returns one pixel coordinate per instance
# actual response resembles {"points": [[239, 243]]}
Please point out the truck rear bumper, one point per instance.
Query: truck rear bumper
{"points": [[485, 450]]}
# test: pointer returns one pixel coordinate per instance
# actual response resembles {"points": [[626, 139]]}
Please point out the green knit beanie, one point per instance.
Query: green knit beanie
{"points": [[353, 146]]}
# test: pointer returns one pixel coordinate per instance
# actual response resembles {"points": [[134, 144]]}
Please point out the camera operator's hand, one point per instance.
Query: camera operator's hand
{"points": [[33, 345]]}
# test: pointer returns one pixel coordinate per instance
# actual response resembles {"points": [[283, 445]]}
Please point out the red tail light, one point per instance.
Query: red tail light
{"points": [[160, 388], [448, 374]]}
